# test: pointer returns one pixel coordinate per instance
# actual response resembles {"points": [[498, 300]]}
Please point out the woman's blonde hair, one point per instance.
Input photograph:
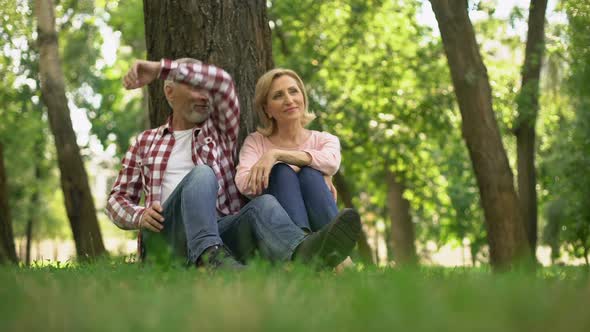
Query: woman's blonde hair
{"points": [[267, 125]]}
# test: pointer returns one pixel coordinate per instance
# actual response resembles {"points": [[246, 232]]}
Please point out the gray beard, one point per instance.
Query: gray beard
{"points": [[196, 117]]}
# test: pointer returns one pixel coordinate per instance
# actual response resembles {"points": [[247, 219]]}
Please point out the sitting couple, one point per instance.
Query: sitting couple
{"points": [[188, 164]]}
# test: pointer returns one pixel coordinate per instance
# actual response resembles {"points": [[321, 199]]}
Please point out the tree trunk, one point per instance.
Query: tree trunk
{"points": [[364, 248], [34, 211], [7, 250], [402, 228], [232, 34], [528, 108], [74, 181], [506, 234]]}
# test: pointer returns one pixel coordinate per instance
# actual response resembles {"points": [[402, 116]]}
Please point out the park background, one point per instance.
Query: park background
{"points": [[378, 78]]}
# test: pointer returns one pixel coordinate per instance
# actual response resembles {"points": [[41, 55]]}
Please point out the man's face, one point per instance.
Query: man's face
{"points": [[192, 104]]}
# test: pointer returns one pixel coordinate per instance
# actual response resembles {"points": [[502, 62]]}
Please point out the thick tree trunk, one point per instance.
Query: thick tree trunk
{"points": [[506, 234], [402, 228], [232, 34], [365, 252], [74, 181], [7, 250], [528, 108]]}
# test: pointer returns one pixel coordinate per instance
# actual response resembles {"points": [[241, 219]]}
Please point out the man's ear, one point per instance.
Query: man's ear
{"points": [[168, 92]]}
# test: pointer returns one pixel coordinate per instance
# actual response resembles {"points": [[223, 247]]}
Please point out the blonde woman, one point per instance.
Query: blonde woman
{"points": [[292, 163]]}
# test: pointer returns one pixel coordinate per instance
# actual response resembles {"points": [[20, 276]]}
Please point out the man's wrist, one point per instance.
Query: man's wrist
{"points": [[166, 65]]}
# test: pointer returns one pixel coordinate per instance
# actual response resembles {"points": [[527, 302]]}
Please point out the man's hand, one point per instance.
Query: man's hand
{"points": [[260, 172], [331, 186], [141, 73], [152, 218]]}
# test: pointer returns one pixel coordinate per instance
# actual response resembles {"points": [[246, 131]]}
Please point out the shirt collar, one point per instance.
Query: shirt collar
{"points": [[167, 127]]}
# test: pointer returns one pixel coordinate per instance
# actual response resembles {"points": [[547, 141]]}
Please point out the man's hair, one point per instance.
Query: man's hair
{"points": [[267, 125], [172, 83]]}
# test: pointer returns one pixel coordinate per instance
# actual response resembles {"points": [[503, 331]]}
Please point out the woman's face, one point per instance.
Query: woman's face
{"points": [[285, 100]]}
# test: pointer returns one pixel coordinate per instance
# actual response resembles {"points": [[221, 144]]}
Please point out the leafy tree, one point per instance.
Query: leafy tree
{"points": [[7, 251], [565, 156], [24, 132], [528, 107], [74, 181], [506, 234]]}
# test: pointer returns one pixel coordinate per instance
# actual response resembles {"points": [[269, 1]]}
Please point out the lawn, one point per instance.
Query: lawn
{"points": [[109, 296]]}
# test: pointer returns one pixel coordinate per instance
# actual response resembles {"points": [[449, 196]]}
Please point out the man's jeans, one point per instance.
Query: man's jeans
{"points": [[192, 225], [304, 195]]}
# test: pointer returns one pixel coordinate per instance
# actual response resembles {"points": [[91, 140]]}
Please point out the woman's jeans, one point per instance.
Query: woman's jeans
{"points": [[304, 195], [192, 225]]}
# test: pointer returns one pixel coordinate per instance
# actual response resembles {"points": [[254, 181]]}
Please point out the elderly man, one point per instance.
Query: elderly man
{"points": [[186, 170]]}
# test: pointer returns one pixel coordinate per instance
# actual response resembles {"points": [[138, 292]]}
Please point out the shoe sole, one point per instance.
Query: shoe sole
{"points": [[341, 238]]}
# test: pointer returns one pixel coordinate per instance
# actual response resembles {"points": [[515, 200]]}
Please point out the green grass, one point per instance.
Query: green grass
{"points": [[127, 297]]}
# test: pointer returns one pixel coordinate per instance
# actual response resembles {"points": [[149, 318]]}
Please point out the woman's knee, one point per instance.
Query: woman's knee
{"points": [[282, 170], [282, 176], [308, 174]]}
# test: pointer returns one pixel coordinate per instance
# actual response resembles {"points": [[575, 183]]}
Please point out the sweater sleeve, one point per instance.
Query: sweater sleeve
{"points": [[325, 154], [250, 153]]}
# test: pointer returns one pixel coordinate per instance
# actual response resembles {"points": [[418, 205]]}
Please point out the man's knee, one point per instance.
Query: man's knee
{"points": [[202, 175], [266, 206], [265, 202]]}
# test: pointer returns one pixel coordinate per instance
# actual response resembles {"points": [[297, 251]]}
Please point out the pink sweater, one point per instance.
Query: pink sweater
{"points": [[323, 148]]}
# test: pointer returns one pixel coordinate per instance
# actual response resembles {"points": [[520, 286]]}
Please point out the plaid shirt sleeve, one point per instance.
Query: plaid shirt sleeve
{"points": [[122, 206], [221, 86]]}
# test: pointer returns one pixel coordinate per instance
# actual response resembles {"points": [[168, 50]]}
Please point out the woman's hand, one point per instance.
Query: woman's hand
{"points": [[260, 172], [331, 186]]}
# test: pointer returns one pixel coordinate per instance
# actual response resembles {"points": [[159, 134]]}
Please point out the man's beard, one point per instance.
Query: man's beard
{"points": [[198, 116]]}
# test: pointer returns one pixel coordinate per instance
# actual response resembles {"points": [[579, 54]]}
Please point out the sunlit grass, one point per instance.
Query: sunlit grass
{"points": [[113, 295]]}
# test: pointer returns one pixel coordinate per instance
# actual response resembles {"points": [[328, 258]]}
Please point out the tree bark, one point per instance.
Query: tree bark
{"points": [[402, 228], [74, 181], [34, 211], [528, 108], [232, 34], [506, 234], [365, 252], [7, 250]]}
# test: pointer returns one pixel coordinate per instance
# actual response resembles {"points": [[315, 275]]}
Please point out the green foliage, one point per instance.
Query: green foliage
{"points": [[379, 81], [565, 153], [29, 153], [121, 114], [92, 86], [118, 296]]}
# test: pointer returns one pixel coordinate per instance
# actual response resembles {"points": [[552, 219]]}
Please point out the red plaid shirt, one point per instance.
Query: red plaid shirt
{"points": [[213, 144]]}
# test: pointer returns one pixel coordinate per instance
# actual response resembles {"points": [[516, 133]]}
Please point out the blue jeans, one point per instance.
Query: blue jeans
{"points": [[304, 195], [192, 225]]}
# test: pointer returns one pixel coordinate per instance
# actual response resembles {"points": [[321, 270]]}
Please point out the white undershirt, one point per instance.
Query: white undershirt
{"points": [[179, 163]]}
